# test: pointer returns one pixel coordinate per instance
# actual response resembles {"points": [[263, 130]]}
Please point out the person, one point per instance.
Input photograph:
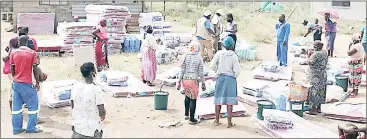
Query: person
{"points": [[218, 28], [283, 29], [7, 65], [23, 60], [87, 105], [149, 59], [101, 45], [315, 28], [364, 41], [232, 28], [227, 68], [204, 34], [318, 78], [192, 73], [350, 131], [356, 54], [330, 34], [76, 18]]}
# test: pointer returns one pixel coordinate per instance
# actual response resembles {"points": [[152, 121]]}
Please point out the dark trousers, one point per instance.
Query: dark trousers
{"points": [[234, 37], [190, 106]]}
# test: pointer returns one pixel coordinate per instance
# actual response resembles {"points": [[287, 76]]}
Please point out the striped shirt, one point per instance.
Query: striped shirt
{"points": [[192, 68]]}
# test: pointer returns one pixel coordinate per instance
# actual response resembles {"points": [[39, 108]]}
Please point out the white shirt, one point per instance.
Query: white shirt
{"points": [[86, 118], [216, 21], [359, 54]]}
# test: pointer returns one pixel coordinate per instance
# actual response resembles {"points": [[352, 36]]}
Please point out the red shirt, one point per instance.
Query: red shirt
{"points": [[23, 59], [14, 42]]}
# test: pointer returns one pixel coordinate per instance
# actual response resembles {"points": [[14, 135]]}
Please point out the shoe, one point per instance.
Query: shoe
{"points": [[194, 122], [35, 131], [18, 132], [187, 117]]}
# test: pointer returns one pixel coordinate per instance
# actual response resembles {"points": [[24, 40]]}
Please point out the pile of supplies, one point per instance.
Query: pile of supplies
{"points": [[114, 78], [156, 20], [270, 70], [132, 44], [116, 17], [277, 92], [75, 34], [277, 120], [57, 93], [245, 51], [177, 40], [133, 24], [171, 76], [165, 55]]}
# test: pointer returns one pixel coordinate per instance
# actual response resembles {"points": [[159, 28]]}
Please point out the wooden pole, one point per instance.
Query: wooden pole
{"points": [[164, 10], [151, 5], [253, 6]]}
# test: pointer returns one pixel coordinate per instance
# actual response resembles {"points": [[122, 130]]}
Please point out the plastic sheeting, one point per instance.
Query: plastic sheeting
{"points": [[245, 51], [38, 23]]}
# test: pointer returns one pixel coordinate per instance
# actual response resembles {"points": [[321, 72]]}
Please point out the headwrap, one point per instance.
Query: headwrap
{"points": [[228, 43], [318, 45], [76, 17], [103, 22], [194, 48]]}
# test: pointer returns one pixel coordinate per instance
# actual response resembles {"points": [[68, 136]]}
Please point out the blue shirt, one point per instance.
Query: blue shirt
{"points": [[283, 31], [207, 26], [364, 37]]}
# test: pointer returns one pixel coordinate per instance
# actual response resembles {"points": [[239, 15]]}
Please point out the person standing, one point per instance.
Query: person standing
{"points": [[356, 54], [232, 29], [227, 68], [192, 73], [315, 29], [88, 105], [218, 28], [283, 29], [23, 60], [204, 34], [318, 78], [149, 59], [330, 34], [364, 41], [101, 45]]}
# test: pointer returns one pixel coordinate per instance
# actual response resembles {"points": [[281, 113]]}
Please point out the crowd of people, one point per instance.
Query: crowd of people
{"points": [[87, 101]]}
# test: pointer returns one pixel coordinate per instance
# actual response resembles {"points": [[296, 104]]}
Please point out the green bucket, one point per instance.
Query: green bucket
{"points": [[160, 100], [342, 81], [298, 107], [261, 105]]}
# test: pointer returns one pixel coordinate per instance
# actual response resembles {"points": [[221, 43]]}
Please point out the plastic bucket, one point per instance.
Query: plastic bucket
{"points": [[160, 100], [261, 105], [297, 107], [342, 81]]}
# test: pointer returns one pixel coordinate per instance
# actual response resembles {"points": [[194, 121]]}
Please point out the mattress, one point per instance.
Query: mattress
{"points": [[345, 111], [285, 73], [205, 109], [301, 128], [48, 97], [135, 87], [38, 23]]}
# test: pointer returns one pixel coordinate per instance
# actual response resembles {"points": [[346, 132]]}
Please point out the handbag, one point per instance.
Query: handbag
{"points": [[6, 68]]}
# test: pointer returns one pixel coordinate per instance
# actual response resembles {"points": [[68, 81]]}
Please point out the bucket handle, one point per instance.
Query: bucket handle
{"points": [[161, 82]]}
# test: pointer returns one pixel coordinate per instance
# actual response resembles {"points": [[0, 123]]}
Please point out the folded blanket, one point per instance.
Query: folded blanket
{"points": [[119, 84]]}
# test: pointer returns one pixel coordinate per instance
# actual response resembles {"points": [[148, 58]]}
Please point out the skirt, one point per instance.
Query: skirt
{"points": [[330, 38], [149, 65], [355, 76], [101, 55], [225, 90], [191, 88]]}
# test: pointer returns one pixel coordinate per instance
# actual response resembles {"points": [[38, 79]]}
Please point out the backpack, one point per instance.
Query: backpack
{"points": [[31, 44]]}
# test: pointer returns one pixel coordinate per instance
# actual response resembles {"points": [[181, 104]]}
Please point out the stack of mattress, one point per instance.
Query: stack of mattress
{"points": [[345, 111], [38, 23]]}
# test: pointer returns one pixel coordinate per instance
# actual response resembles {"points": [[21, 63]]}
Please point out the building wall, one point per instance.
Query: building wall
{"points": [[6, 6], [356, 11]]}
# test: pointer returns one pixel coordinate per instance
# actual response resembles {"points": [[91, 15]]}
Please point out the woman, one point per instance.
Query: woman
{"points": [[356, 55], [330, 34], [192, 73], [318, 78], [232, 28], [149, 59], [101, 46], [227, 68]]}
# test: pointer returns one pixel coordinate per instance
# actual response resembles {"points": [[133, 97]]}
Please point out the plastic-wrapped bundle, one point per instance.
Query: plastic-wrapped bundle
{"points": [[254, 87], [277, 120], [270, 67], [132, 44], [210, 89], [245, 51], [163, 56], [181, 50]]}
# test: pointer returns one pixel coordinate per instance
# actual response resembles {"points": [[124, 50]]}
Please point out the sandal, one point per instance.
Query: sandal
{"points": [[35, 131], [231, 125], [217, 123]]}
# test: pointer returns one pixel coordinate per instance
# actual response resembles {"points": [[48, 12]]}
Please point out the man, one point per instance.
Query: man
{"points": [[218, 28], [23, 60], [283, 29], [364, 41], [32, 43], [88, 105], [204, 34], [330, 34], [316, 29]]}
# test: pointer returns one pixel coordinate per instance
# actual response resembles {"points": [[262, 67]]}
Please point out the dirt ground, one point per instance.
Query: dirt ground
{"points": [[136, 117]]}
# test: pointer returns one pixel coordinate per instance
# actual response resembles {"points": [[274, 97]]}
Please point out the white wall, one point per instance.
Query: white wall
{"points": [[356, 11]]}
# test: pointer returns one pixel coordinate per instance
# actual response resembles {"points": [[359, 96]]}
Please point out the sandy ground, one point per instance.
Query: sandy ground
{"points": [[136, 117]]}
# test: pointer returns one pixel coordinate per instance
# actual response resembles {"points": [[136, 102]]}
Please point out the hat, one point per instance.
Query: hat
{"points": [[220, 11], [207, 13], [228, 42]]}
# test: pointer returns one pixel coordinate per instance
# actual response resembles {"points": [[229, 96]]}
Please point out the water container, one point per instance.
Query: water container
{"points": [[282, 103], [126, 44]]}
